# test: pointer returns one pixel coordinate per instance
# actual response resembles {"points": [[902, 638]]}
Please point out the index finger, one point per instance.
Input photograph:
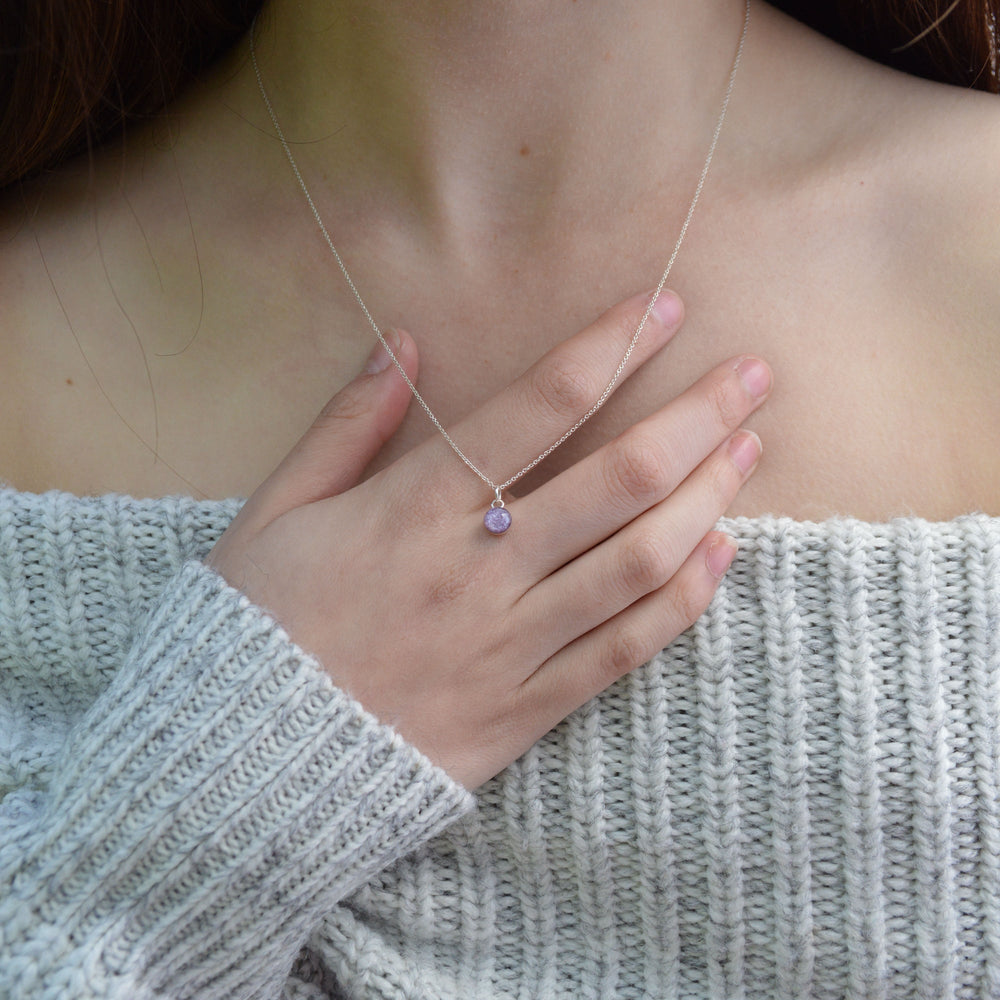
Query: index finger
{"points": [[507, 434]]}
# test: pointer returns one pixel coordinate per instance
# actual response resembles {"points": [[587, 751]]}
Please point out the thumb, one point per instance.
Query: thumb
{"points": [[330, 457]]}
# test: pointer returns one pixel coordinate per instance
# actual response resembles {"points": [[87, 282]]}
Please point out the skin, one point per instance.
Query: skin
{"points": [[546, 618], [497, 179], [848, 234]]}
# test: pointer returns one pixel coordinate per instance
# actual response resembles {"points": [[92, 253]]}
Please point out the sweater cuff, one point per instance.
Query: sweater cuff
{"points": [[218, 798]]}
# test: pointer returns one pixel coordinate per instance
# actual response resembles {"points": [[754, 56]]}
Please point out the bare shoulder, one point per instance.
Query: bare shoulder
{"points": [[930, 155], [137, 344], [877, 225], [80, 283], [938, 171], [35, 332], [914, 166], [943, 215], [946, 213]]}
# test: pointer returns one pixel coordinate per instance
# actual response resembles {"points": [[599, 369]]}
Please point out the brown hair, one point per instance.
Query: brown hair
{"points": [[954, 41], [73, 72]]}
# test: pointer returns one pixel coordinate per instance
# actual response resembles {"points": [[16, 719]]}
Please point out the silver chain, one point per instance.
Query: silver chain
{"points": [[498, 488]]}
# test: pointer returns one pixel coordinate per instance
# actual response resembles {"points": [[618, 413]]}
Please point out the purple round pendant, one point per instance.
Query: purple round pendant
{"points": [[497, 520]]}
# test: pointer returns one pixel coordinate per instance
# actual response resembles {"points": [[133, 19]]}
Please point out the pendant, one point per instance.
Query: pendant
{"points": [[497, 519]]}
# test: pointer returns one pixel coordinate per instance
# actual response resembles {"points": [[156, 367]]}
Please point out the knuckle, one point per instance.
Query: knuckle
{"points": [[637, 472], [345, 407], [449, 588], [562, 386], [692, 594], [620, 322], [726, 399], [628, 650], [724, 480], [646, 563]]}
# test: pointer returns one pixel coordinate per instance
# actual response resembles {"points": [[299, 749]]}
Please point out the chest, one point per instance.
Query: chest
{"points": [[884, 399]]}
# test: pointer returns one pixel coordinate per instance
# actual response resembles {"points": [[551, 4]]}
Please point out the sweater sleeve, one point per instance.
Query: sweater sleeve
{"points": [[217, 799]]}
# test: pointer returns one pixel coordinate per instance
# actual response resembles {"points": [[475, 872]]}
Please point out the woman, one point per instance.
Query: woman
{"points": [[796, 797]]}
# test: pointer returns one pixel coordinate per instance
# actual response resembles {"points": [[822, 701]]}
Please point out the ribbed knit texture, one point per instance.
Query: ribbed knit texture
{"points": [[182, 833], [797, 799]]}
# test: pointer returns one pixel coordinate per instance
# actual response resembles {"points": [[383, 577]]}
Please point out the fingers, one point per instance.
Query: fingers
{"points": [[514, 427], [331, 456], [596, 660], [600, 494], [645, 555]]}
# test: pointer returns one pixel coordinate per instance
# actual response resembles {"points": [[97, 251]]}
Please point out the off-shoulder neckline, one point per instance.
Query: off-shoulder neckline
{"points": [[739, 525]]}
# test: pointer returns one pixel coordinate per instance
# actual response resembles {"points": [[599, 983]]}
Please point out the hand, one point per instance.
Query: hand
{"points": [[473, 646]]}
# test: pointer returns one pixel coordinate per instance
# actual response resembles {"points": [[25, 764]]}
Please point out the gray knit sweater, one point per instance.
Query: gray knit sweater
{"points": [[798, 798]]}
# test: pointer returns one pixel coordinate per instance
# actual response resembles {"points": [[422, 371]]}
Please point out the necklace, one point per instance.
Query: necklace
{"points": [[498, 519]]}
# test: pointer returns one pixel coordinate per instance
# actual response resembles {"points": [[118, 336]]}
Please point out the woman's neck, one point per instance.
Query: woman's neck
{"points": [[502, 114]]}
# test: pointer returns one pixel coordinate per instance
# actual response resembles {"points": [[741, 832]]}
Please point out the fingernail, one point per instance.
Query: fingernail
{"points": [[745, 449], [720, 556], [668, 308], [379, 358], [755, 375]]}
